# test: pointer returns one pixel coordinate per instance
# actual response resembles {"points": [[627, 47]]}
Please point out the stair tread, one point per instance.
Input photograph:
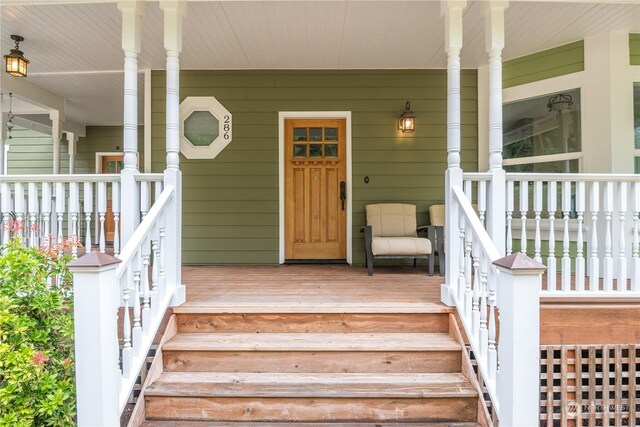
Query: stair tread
{"points": [[312, 342], [322, 385], [299, 424]]}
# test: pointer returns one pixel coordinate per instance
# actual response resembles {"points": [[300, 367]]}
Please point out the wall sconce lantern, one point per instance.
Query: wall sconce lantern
{"points": [[559, 102], [16, 63], [407, 121]]}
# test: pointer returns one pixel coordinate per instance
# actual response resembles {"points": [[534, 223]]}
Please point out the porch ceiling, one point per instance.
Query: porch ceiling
{"points": [[75, 48]]}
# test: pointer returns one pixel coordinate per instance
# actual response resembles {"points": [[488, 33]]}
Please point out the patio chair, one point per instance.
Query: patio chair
{"points": [[391, 233], [436, 216]]}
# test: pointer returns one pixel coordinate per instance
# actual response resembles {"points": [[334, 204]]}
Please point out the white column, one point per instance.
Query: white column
{"points": [[174, 11], [494, 39], [131, 28], [56, 135], [73, 141], [96, 302], [452, 11], [518, 378]]}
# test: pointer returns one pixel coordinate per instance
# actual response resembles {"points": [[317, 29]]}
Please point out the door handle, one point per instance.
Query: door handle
{"points": [[343, 192]]}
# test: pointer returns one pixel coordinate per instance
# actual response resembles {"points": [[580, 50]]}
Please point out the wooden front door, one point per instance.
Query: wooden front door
{"points": [[315, 189], [110, 164]]}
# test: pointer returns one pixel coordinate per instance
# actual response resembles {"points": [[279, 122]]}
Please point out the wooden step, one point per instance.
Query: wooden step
{"points": [[301, 424], [313, 322], [375, 353], [288, 424], [312, 342], [311, 397]]}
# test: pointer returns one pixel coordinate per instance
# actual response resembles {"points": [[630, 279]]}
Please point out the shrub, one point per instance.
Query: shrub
{"points": [[37, 384]]}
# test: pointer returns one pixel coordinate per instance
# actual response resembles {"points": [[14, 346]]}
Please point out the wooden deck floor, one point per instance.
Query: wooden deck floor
{"points": [[310, 288]]}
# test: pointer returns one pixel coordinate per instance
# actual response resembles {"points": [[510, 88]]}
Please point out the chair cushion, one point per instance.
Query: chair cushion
{"points": [[392, 220], [436, 214], [400, 246]]}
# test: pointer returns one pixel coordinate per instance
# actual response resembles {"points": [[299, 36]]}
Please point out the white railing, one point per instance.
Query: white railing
{"points": [[53, 209], [138, 287], [584, 227], [482, 284], [475, 296], [143, 287]]}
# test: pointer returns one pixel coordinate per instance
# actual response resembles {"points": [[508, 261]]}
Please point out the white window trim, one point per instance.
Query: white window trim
{"points": [[537, 89], [282, 115]]}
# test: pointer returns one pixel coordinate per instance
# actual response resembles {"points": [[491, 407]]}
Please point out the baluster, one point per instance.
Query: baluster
{"points": [[608, 245], [635, 247], [484, 333], [158, 191], [6, 211], [461, 261], [46, 214], [33, 215], [60, 209], [552, 206], [144, 199], [126, 332], [537, 210], [88, 212], [102, 211], [115, 207], [74, 209], [144, 284], [475, 312], [19, 210], [566, 259], [482, 201], [524, 207], [510, 193], [468, 270], [492, 354], [580, 262], [137, 326], [154, 275], [162, 278], [622, 243], [594, 261]]}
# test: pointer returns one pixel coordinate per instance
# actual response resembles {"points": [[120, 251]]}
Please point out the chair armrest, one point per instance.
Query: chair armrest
{"points": [[423, 228]]}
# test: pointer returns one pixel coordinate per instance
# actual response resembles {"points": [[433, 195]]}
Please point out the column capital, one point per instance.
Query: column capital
{"points": [[494, 24], [174, 11], [452, 12], [132, 11]]}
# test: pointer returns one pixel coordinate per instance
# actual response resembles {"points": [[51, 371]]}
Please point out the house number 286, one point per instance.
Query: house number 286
{"points": [[226, 127]]}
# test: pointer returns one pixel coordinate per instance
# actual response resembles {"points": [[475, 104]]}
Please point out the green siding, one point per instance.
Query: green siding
{"points": [[31, 152], [634, 49], [230, 204], [549, 63], [103, 139]]}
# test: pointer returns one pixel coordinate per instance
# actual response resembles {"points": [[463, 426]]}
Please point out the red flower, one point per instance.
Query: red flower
{"points": [[39, 359], [66, 362]]}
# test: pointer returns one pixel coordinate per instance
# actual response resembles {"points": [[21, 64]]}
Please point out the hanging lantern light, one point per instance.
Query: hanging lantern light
{"points": [[16, 63], [407, 121]]}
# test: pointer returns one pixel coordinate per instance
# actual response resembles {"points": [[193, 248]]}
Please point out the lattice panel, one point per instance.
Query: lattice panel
{"points": [[590, 385]]}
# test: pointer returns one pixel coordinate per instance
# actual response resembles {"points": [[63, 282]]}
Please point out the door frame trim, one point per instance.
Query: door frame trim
{"points": [[282, 116]]}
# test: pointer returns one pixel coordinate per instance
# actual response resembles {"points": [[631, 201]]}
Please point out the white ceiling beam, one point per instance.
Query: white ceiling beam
{"points": [[34, 94]]}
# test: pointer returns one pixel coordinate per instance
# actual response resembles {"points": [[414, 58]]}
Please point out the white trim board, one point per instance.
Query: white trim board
{"points": [[282, 116]]}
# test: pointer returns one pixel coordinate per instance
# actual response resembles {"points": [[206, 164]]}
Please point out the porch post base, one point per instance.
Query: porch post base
{"points": [[179, 296], [445, 295]]}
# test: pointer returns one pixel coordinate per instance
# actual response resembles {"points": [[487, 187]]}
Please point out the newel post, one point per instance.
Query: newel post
{"points": [[96, 303], [518, 378]]}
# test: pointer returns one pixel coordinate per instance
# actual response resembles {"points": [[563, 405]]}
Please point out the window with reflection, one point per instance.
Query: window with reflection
{"points": [[542, 134]]}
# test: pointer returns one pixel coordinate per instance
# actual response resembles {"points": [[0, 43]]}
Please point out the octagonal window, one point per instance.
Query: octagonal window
{"points": [[201, 128]]}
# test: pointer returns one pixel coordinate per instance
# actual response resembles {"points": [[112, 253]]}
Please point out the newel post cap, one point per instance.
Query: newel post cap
{"points": [[94, 259], [519, 264]]}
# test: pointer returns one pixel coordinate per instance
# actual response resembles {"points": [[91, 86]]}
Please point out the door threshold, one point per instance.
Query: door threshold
{"points": [[315, 261]]}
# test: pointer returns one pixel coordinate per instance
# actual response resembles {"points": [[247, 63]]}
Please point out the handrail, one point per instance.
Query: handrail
{"points": [[137, 239], [148, 177], [476, 176], [112, 177], [485, 241], [599, 177]]}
